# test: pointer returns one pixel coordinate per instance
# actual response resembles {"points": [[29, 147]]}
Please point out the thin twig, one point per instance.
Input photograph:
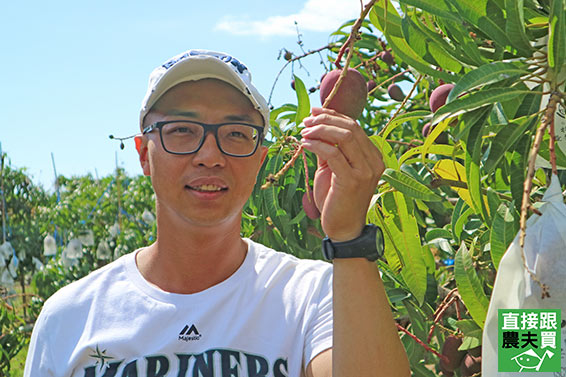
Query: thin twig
{"points": [[389, 79], [548, 118], [354, 32], [271, 179], [439, 316], [329, 46], [349, 42], [402, 104], [423, 344], [411, 144]]}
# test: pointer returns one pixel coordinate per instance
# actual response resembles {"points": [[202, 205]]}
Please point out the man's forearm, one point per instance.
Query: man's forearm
{"points": [[366, 342]]}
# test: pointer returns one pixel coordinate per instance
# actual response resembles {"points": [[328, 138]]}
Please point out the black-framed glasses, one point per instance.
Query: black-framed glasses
{"points": [[235, 139]]}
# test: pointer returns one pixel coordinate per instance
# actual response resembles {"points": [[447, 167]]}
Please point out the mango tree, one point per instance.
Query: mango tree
{"points": [[469, 149]]}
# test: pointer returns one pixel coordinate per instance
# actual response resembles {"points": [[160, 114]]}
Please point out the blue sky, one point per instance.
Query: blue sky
{"points": [[73, 72]]}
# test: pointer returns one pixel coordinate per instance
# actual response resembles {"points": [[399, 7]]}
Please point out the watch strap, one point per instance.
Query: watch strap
{"points": [[369, 245]]}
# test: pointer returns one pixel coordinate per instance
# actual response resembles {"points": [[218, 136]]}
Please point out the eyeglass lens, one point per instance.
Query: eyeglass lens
{"points": [[185, 137]]}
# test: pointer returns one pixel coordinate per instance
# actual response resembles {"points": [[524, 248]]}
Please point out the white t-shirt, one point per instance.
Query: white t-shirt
{"points": [[270, 318]]}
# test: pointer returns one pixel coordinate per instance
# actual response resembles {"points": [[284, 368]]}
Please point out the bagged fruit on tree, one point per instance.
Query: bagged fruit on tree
{"points": [[103, 251], [515, 288], [86, 237], [49, 245]]}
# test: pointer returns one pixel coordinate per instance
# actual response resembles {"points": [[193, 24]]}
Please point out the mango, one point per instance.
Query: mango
{"points": [[439, 95], [395, 92], [352, 94], [309, 206], [450, 350]]}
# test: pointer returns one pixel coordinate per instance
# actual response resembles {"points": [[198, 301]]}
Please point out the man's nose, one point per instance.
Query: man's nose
{"points": [[209, 154]]}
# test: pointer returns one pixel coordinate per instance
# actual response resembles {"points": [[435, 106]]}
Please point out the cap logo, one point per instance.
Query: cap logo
{"points": [[225, 58]]}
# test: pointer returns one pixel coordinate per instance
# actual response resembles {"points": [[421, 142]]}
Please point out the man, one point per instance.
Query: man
{"points": [[202, 301]]}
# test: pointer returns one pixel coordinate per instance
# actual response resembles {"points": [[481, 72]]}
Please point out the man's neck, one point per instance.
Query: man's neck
{"points": [[189, 259]]}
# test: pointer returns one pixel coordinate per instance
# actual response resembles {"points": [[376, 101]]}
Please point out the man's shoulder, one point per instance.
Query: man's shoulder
{"points": [[271, 262], [266, 254], [83, 291]]}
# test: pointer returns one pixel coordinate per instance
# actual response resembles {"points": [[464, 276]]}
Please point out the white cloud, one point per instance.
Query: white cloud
{"points": [[316, 15]]}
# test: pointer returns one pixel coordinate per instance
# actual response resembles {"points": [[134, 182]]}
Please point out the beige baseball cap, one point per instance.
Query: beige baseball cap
{"points": [[200, 64]]}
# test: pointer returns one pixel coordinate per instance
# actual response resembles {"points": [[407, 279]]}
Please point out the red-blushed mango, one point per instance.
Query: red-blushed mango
{"points": [[371, 85], [309, 206], [388, 58], [426, 129], [470, 365], [450, 350], [439, 95], [395, 92], [446, 373], [475, 352], [352, 94]]}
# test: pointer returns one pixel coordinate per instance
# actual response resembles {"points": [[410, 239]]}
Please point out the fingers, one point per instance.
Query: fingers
{"points": [[342, 133], [333, 157]]}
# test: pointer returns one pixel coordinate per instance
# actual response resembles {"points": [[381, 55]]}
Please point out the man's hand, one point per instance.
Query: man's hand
{"points": [[349, 167]]}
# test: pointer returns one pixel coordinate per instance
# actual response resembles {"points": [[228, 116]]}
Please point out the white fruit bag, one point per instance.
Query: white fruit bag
{"points": [[545, 256]]}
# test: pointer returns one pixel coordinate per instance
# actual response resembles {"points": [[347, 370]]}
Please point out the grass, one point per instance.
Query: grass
{"points": [[17, 364]]}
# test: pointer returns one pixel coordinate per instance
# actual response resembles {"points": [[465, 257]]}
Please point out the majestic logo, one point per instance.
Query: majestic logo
{"points": [[189, 333]]}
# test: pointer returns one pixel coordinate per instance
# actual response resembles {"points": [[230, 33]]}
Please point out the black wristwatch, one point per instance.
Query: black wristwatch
{"points": [[368, 245]]}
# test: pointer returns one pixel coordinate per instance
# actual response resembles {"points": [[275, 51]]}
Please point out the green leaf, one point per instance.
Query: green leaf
{"points": [[388, 23], [438, 149], [431, 138], [515, 27], [472, 334], [402, 226], [409, 186], [557, 35], [518, 169], [460, 221], [304, 106], [470, 342], [444, 60], [493, 202], [475, 12], [504, 140], [450, 46], [470, 286], [478, 99], [397, 295], [503, 230], [485, 75], [393, 255], [473, 174], [530, 104], [437, 233], [462, 41], [436, 7], [469, 328], [429, 50], [408, 55], [402, 118], [388, 154]]}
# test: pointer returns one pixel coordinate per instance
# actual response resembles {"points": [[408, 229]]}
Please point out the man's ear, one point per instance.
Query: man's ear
{"points": [[263, 151], [141, 147]]}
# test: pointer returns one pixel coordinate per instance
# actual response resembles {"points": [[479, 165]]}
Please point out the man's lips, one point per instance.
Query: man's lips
{"points": [[207, 184], [207, 188]]}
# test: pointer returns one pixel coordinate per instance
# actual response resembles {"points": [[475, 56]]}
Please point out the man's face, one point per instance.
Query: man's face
{"points": [[186, 186]]}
